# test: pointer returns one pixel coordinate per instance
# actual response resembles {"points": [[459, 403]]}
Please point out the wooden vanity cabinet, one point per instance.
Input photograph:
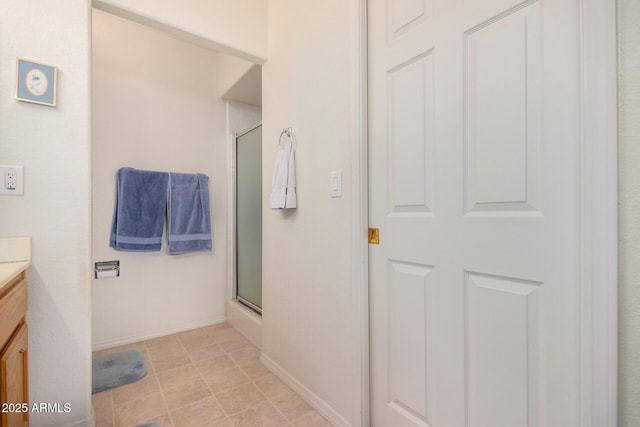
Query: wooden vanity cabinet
{"points": [[14, 380]]}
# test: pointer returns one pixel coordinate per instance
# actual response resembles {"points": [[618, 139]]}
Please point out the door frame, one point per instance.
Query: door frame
{"points": [[599, 210], [231, 213], [233, 221], [599, 214]]}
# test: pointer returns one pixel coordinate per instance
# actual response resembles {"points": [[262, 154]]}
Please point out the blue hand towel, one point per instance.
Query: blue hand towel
{"points": [[138, 217], [189, 214]]}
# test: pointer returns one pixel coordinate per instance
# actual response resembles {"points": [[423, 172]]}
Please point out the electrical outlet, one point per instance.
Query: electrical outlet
{"points": [[12, 180]]}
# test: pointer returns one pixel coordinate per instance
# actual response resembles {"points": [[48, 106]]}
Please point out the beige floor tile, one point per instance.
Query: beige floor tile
{"points": [[245, 355], [255, 369], [186, 394], [104, 419], [171, 348], [170, 360], [238, 399], [103, 407], [234, 344], [136, 411], [313, 419], [195, 338], [214, 365], [186, 368], [161, 341], [291, 405], [272, 386], [216, 328], [226, 334], [262, 415], [225, 380], [203, 413], [207, 351], [191, 333], [176, 377], [222, 423], [146, 385], [103, 399], [197, 341], [162, 421], [132, 346]]}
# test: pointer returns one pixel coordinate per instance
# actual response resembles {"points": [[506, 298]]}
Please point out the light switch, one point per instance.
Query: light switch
{"points": [[335, 184]]}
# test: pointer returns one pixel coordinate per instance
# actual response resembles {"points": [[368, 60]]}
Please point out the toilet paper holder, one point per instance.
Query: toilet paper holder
{"points": [[104, 269]]}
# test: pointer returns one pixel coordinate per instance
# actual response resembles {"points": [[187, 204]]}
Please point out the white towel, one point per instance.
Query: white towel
{"points": [[283, 183]]}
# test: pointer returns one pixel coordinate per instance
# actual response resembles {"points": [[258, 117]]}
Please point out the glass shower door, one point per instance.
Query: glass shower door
{"points": [[249, 218]]}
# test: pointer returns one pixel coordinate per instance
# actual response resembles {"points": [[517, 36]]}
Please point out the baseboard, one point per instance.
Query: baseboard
{"points": [[307, 395], [155, 334]]}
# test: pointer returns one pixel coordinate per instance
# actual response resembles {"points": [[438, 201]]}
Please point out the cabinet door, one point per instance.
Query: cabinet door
{"points": [[14, 390]]}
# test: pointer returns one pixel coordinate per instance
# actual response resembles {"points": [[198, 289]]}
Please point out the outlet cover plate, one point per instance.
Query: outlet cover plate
{"points": [[18, 172]]}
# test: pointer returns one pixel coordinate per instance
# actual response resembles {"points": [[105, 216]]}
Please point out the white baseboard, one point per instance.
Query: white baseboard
{"points": [[310, 397], [155, 334]]}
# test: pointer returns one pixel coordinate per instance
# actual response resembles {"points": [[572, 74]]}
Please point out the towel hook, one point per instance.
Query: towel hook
{"points": [[289, 132]]}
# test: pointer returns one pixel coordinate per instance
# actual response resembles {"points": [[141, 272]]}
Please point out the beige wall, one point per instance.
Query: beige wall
{"points": [[53, 145], [156, 106], [629, 216], [238, 27], [309, 323], [230, 70]]}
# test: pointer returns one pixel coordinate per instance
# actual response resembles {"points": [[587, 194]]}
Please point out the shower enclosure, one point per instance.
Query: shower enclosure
{"points": [[249, 218]]}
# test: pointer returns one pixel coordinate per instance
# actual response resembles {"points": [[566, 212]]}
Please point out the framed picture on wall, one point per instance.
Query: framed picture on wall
{"points": [[36, 82]]}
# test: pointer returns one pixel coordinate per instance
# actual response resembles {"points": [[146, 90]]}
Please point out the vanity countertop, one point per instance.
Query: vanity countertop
{"points": [[9, 270], [15, 257]]}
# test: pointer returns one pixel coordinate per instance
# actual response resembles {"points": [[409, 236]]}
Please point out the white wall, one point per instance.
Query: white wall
{"points": [[53, 145], [234, 26], [241, 117], [156, 106], [629, 214], [230, 70], [310, 335]]}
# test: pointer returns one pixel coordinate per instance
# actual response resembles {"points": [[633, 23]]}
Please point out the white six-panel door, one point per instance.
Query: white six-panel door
{"points": [[474, 145]]}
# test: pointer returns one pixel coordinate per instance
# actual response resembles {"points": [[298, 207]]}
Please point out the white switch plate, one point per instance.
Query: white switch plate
{"points": [[335, 184], [12, 180]]}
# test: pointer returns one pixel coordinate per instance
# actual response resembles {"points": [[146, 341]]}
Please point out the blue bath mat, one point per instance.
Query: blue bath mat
{"points": [[116, 369]]}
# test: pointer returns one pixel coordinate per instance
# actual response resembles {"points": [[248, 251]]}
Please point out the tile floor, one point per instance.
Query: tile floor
{"points": [[205, 377]]}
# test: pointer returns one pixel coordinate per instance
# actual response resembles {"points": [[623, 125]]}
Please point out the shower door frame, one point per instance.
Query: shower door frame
{"points": [[233, 238]]}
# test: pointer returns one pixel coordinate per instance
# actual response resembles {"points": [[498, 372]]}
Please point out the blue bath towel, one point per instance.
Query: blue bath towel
{"points": [[138, 217], [189, 214]]}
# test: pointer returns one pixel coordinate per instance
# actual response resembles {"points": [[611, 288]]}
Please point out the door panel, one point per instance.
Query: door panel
{"points": [[405, 14], [502, 106], [501, 338], [408, 345], [410, 110], [474, 150]]}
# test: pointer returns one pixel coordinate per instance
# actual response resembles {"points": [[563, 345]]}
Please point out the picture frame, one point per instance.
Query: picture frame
{"points": [[36, 82]]}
